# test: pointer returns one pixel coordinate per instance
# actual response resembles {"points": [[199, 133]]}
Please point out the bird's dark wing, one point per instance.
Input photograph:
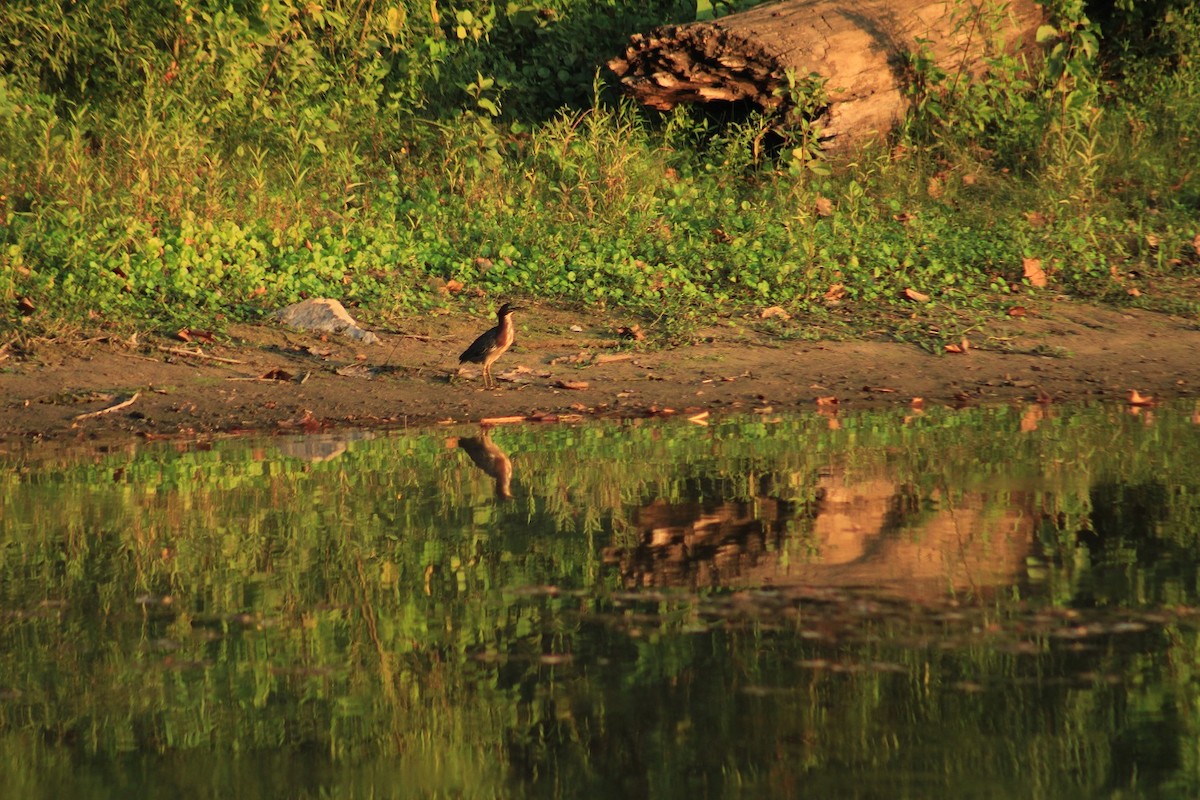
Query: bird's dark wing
{"points": [[478, 349]]}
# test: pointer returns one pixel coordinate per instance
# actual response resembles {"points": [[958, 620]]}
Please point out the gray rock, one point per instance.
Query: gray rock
{"points": [[323, 314]]}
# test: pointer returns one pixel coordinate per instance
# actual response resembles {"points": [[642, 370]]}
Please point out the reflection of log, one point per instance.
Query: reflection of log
{"points": [[701, 544], [856, 46], [868, 534]]}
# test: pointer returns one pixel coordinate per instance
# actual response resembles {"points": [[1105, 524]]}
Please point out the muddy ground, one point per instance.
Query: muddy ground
{"points": [[569, 363]]}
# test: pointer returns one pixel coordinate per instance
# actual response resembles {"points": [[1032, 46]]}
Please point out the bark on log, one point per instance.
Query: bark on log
{"points": [[857, 46]]}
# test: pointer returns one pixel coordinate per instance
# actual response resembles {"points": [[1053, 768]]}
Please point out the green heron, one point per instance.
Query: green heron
{"points": [[491, 344]]}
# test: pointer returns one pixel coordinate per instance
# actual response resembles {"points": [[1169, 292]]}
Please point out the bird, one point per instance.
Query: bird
{"points": [[491, 344], [491, 459]]}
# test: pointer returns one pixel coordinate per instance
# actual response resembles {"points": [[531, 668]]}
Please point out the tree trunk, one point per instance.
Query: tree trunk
{"points": [[858, 47]]}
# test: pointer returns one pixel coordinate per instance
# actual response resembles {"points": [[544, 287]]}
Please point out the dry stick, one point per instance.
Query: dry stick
{"points": [[486, 421], [179, 351], [110, 409]]}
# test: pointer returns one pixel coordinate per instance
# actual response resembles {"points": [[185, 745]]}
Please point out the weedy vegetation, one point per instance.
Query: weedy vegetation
{"points": [[190, 162]]}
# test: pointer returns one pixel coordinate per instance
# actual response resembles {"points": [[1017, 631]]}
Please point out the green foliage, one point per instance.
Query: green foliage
{"points": [[203, 158]]}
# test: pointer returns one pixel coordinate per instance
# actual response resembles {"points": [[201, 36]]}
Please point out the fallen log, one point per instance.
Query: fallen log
{"points": [[858, 49]]}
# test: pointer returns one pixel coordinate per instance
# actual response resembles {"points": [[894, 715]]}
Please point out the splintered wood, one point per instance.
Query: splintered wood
{"points": [[858, 48]]}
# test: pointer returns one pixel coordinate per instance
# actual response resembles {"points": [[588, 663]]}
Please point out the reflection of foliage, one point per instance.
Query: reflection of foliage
{"points": [[382, 609]]}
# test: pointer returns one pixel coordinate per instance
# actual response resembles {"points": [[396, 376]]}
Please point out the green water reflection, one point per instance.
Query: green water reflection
{"points": [[978, 603]]}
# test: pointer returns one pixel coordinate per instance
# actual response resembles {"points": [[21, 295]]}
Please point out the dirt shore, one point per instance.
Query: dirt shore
{"points": [[271, 379]]}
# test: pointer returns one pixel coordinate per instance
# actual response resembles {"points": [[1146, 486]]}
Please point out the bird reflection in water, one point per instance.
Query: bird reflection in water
{"points": [[491, 459]]}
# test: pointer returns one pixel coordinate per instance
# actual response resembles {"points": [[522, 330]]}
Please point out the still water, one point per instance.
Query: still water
{"points": [[973, 603]]}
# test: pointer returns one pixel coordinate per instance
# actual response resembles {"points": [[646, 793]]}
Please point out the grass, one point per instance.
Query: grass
{"points": [[168, 204]]}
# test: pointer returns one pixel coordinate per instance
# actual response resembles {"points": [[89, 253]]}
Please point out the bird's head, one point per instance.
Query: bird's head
{"points": [[507, 309]]}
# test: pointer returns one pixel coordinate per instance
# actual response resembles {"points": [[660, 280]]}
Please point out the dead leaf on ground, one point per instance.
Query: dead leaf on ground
{"points": [[1138, 399], [577, 385], [1034, 272], [354, 371], [582, 357], [306, 422], [633, 332], [277, 375], [824, 206], [917, 402], [879, 389], [1036, 219], [609, 358], [190, 335], [775, 312], [958, 349], [915, 296], [835, 293], [1032, 418], [1017, 311], [518, 374], [827, 401], [26, 306], [454, 286], [699, 419], [934, 187], [1134, 291], [1196, 244]]}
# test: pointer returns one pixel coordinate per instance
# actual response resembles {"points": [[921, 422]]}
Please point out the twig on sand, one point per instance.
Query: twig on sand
{"points": [[180, 351], [110, 409], [488, 421]]}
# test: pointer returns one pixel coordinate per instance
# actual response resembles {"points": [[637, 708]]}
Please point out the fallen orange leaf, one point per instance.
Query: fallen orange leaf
{"points": [[775, 311], [954, 348], [1017, 311], [1034, 272], [1136, 399], [836, 292], [915, 296], [634, 332], [824, 206], [829, 400]]}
